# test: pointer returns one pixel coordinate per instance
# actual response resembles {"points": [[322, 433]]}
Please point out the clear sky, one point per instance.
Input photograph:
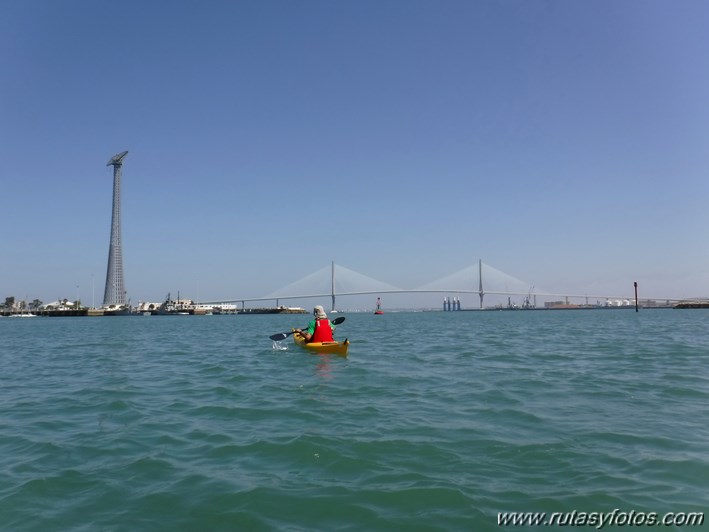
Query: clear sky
{"points": [[565, 143]]}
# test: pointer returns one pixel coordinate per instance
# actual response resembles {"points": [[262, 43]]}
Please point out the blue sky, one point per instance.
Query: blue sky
{"points": [[563, 143]]}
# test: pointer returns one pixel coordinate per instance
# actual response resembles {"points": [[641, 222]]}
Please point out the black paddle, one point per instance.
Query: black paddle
{"points": [[282, 336]]}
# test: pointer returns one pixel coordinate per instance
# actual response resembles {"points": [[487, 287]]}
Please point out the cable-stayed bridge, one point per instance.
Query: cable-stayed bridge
{"points": [[334, 281]]}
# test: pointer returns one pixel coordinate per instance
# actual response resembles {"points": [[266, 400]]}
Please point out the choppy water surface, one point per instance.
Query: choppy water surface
{"points": [[435, 421]]}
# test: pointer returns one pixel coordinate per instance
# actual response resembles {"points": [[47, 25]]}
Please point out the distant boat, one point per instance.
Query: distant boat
{"points": [[116, 310], [23, 315], [175, 306]]}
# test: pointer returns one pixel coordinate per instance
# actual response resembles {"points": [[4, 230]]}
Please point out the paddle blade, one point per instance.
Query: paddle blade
{"points": [[282, 336]]}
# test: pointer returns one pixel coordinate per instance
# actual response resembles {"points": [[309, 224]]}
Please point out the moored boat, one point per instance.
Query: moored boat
{"points": [[335, 348]]}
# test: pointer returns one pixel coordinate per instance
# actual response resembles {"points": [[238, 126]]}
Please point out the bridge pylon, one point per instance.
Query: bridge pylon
{"points": [[480, 292], [332, 286]]}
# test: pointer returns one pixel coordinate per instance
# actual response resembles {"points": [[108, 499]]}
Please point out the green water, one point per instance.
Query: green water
{"points": [[435, 421]]}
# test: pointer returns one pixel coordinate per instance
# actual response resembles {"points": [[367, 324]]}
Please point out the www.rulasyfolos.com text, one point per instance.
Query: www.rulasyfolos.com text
{"points": [[600, 520]]}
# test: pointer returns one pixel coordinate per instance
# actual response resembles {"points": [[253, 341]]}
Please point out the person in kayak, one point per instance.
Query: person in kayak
{"points": [[319, 329]]}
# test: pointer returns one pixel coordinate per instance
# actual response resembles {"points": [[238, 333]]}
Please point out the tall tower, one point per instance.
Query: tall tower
{"points": [[115, 292], [481, 293]]}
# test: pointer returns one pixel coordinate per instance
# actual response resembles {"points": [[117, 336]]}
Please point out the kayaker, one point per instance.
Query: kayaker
{"points": [[320, 329]]}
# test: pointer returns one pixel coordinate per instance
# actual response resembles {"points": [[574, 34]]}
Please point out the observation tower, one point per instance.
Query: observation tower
{"points": [[115, 292]]}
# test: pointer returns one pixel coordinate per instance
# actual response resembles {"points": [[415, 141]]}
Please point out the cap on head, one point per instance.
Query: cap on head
{"points": [[319, 312]]}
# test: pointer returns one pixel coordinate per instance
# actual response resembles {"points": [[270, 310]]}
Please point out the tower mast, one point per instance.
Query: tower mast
{"points": [[480, 292], [332, 286], [115, 292]]}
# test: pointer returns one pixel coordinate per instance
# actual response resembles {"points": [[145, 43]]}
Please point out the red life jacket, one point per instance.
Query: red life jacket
{"points": [[322, 332]]}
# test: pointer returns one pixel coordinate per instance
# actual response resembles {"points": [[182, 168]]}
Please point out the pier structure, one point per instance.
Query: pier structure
{"points": [[115, 292], [451, 304]]}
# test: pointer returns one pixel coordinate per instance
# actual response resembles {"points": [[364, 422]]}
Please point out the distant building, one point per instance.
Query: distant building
{"points": [[559, 305]]}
